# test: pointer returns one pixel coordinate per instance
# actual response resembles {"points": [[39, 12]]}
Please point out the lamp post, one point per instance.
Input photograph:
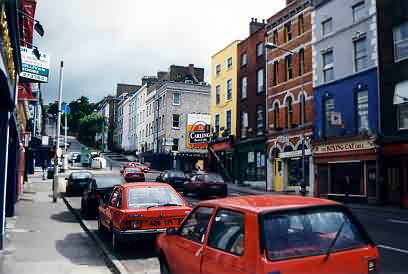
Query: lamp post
{"points": [[302, 115], [61, 77]]}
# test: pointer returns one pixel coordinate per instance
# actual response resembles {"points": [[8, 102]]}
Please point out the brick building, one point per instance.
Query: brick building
{"points": [[250, 143], [289, 68]]}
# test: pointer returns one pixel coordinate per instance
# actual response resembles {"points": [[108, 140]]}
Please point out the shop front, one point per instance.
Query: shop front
{"points": [[291, 165], [250, 162], [347, 171], [221, 157]]}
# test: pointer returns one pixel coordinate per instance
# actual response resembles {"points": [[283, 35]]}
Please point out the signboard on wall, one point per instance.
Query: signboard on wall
{"points": [[343, 147], [34, 69], [198, 131]]}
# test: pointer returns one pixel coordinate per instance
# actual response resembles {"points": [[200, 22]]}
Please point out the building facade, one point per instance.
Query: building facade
{"points": [[150, 140], [223, 108], [289, 86], [251, 104], [346, 99], [392, 20]]}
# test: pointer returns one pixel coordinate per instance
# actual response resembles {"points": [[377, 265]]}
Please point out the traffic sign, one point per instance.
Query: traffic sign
{"points": [[59, 152], [65, 108]]}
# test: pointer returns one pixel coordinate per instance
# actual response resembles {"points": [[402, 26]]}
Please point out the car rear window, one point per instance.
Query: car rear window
{"points": [[213, 178], [82, 175], [309, 232], [108, 181], [134, 170], [142, 197], [176, 174]]}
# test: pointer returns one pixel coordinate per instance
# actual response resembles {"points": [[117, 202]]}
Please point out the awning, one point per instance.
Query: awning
{"points": [[395, 149], [401, 93]]}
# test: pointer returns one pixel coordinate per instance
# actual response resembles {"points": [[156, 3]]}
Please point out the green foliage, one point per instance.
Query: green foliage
{"points": [[89, 126], [79, 109], [53, 109]]}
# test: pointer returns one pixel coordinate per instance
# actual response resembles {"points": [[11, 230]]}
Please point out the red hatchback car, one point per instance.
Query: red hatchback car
{"points": [[268, 235], [136, 211], [133, 174], [206, 184]]}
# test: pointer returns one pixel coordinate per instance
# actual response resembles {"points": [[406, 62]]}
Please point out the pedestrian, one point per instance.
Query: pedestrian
{"points": [[44, 169]]}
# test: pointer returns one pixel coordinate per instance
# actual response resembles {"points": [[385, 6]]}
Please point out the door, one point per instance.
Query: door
{"points": [[393, 186], [225, 249], [106, 214], [278, 175], [185, 250]]}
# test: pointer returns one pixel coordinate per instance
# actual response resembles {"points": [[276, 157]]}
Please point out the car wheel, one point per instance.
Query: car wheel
{"points": [[202, 194], [185, 192], [224, 195], [163, 267], [115, 241]]}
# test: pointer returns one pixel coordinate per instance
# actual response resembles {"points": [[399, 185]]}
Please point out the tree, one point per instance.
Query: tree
{"points": [[89, 126], [79, 109], [53, 109]]}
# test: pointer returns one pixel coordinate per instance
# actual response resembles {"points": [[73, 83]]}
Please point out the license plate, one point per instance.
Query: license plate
{"points": [[163, 222]]}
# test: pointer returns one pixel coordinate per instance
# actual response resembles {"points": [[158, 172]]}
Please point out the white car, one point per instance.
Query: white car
{"points": [[98, 163]]}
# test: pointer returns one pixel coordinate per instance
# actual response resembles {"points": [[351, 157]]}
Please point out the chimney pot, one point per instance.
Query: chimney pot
{"points": [[256, 20]]}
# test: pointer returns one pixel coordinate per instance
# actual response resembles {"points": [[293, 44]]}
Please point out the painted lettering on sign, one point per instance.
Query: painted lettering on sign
{"points": [[341, 147]]}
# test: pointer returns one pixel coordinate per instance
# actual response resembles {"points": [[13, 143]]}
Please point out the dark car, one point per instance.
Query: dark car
{"points": [[204, 185], [98, 191], [77, 182], [134, 174], [175, 178]]}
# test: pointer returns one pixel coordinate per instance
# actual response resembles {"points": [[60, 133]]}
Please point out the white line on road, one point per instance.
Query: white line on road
{"points": [[397, 221], [393, 249]]}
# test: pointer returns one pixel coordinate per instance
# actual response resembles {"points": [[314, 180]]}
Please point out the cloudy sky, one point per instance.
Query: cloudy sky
{"points": [[104, 42]]}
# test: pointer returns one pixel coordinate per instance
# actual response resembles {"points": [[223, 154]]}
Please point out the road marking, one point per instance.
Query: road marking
{"points": [[397, 221], [393, 249]]}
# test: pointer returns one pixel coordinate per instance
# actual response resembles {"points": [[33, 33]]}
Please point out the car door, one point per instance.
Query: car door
{"points": [[185, 249], [106, 214], [115, 210], [224, 252]]}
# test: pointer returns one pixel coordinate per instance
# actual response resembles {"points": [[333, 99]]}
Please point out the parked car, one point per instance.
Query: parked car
{"points": [[204, 185], [74, 157], [137, 211], [144, 167], [77, 182], [98, 191], [98, 163], [268, 234], [175, 178], [134, 174], [129, 164]]}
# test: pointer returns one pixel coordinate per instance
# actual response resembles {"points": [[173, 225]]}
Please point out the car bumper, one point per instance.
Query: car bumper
{"points": [[138, 234]]}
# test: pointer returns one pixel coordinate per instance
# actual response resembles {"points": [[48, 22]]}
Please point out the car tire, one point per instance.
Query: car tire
{"points": [[202, 195], [164, 269], [185, 192], [224, 195], [115, 242]]}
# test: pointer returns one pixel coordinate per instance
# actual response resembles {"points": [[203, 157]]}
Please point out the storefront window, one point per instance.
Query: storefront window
{"points": [[295, 171], [347, 178]]}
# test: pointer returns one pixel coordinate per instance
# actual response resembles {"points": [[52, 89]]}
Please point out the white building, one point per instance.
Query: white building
{"points": [[150, 141], [141, 128], [125, 125], [133, 136]]}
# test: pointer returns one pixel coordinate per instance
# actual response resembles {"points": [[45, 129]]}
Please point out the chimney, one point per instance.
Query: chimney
{"points": [[288, 2], [192, 72], [254, 26]]}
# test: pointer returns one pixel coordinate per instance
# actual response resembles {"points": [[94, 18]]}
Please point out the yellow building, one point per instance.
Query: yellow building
{"points": [[224, 90]]}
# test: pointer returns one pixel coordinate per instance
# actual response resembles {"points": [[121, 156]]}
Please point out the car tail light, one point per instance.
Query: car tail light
{"points": [[127, 225], [372, 266]]}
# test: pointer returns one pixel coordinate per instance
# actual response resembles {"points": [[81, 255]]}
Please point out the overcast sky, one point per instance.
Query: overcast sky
{"points": [[104, 42]]}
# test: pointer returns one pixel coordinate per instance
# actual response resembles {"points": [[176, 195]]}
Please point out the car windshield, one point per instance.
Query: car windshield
{"points": [[143, 197], [81, 175], [213, 178], [108, 181], [176, 173], [308, 233]]}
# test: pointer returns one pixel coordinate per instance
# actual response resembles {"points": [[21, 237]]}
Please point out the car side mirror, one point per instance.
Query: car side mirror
{"points": [[171, 231]]}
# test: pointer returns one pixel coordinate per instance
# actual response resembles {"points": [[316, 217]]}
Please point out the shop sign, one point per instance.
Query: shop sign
{"points": [[294, 154], [198, 129], [282, 139], [343, 147], [7, 47], [34, 69]]}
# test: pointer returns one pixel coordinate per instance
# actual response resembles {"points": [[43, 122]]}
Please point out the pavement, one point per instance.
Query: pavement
{"points": [[46, 238]]}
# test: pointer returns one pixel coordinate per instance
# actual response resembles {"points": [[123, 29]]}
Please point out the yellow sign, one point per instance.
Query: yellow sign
{"points": [[7, 48]]}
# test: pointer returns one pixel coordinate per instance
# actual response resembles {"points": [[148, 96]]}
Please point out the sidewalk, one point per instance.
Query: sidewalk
{"points": [[45, 237]]}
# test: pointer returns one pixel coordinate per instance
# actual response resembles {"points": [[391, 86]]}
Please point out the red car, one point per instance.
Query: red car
{"points": [[268, 234], [129, 164], [137, 211], [143, 167], [134, 174], [204, 185]]}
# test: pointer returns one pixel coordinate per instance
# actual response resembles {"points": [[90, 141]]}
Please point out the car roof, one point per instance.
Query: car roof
{"points": [[145, 184], [268, 202]]}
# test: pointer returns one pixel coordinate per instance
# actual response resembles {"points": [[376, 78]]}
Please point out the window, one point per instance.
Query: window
{"points": [[159, 123], [143, 197], [217, 70], [328, 69], [228, 232], [175, 144], [329, 110], [360, 54], [276, 115], [114, 198], [260, 81], [244, 119], [229, 89], [275, 73], [217, 123], [301, 61], [259, 49], [244, 87], [176, 98], [288, 31], [288, 64], [229, 63], [401, 103], [302, 108], [244, 60], [289, 112], [301, 24], [147, 130], [362, 110], [401, 42], [194, 228], [275, 37], [176, 120], [228, 120], [403, 116], [327, 26], [359, 12], [260, 119], [217, 94], [309, 233]]}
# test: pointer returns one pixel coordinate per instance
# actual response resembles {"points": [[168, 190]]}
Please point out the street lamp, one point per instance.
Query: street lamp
{"points": [[302, 110]]}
